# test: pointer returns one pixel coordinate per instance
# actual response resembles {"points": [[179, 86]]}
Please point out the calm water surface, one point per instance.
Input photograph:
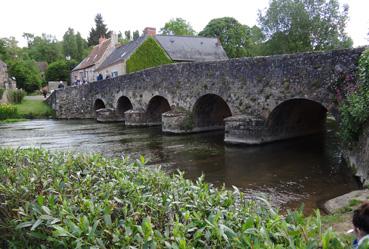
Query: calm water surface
{"points": [[308, 170]]}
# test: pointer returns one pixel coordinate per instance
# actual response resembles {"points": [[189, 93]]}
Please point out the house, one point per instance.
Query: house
{"points": [[5, 81], [85, 71], [175, 48]]}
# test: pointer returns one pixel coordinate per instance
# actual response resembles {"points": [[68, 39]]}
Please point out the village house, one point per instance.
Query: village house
{"points": [[85, 71], [177, 49], [5, 81]]}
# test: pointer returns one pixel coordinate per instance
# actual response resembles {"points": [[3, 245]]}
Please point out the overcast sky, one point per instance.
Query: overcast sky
{"points": [[55, 16]]}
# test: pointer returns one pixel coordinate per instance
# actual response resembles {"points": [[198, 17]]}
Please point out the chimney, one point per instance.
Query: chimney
{"points": [[101, 39], [150, 31], [114, 39]]}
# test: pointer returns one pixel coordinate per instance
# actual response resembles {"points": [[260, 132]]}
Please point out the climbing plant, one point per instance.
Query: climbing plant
{"points": [[149, 54], [354, 108]]}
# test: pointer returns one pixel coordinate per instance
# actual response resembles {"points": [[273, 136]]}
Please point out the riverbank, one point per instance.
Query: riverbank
{"points": [[67, 200], [32, 107]]}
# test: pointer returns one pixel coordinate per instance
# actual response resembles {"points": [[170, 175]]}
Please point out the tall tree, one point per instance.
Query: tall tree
{"points": [[136, 34], [73, 45], [177, 26], [304, 25], [45, 48], [234, 37], [100, 30]]}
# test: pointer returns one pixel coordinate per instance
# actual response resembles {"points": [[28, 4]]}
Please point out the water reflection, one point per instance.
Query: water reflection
{"points": [[308, 170]]}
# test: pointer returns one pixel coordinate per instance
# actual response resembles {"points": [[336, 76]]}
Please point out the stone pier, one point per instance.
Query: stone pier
{"points": [[244, 129]]}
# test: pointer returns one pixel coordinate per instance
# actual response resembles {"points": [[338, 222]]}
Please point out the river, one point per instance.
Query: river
{"points": [[306, 170]]}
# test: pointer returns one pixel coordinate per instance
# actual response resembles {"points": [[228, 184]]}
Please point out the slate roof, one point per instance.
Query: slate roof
{"points": [[192, 48], [122, 52], [94, 56], [178, 48]]}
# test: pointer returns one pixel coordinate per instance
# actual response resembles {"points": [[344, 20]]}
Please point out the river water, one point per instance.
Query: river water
{"points": [[307, 170]]}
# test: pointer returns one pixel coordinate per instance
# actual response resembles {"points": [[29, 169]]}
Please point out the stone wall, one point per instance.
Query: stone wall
{"points": [[252, 86], [358, 156]]}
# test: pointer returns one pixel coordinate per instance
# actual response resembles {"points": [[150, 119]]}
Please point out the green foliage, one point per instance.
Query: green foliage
{"points": [[27, 75], [100, 30], [60, 70], [149, 54], [177, 26], [7, 111], [15, 96], [136, 35], [303, 25], [44, 48], [354, 109], [73, 201], [235, 38], [353, 115], [74, 45]]}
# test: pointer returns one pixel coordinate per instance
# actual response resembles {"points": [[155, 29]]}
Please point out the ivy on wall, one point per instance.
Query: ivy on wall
{"points": [[354, 109], [149, 54]]}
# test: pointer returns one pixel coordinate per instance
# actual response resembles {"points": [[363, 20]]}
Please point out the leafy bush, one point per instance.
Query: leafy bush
{"points": [[15, 96], [7, 111], [353, 115], [72, 201], [354, 109], [149, 54], [2, 90], [60, 70], [27, 75]]}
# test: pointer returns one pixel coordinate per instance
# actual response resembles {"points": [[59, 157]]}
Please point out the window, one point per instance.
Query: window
{"points": [[114, 74]]}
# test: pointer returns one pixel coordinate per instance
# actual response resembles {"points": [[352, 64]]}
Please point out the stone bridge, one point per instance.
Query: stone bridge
{"points": [[256, 100]]}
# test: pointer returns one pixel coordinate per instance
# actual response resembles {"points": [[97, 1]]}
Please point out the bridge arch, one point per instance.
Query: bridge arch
{"points": [[156, 106], [123, 104], [209, 112], [99, 104], [297, 117]]}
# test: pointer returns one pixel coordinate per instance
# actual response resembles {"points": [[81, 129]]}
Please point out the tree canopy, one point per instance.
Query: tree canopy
{"points": [[100, 30], [304, 25], [177, 26], [234, 37], [74, 45], [60, 70]]}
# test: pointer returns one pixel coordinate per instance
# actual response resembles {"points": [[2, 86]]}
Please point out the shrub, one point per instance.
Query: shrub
{"points": [[354, 109], [60, 70], [149, 54], [27, 75], [15, 96], [60, 200], [7, 111]]}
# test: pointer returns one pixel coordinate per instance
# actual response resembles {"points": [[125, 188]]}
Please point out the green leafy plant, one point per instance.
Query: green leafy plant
{"points": [[7, 111], [15, 96], [62, 200], [149, 54], [354, 109]]}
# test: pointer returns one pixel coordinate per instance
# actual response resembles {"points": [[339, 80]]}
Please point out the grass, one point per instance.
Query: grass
{"points": [[12, 120], [34, 109], [62, 200]]}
